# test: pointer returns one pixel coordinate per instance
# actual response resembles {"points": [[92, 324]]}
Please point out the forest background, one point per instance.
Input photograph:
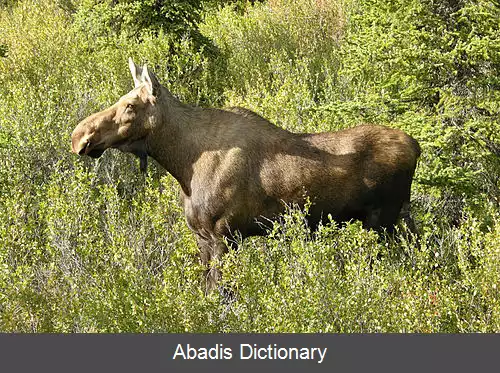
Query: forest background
{"points": [[93, 246]]}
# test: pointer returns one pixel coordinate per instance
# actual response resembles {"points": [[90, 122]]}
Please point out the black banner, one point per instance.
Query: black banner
{"points": [[249, 353]]}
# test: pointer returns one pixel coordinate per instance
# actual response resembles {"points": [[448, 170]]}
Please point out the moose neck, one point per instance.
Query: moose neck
{"points": [[171, 141]]}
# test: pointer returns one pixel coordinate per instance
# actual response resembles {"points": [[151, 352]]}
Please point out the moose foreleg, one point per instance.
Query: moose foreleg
{"points": [[211, 251]]}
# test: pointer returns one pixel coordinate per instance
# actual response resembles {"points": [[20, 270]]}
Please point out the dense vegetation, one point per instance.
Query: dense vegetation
{"points": [[93, 246]]}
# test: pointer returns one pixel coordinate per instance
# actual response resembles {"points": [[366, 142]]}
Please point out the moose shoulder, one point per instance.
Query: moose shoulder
{"points": [[238, 170]]}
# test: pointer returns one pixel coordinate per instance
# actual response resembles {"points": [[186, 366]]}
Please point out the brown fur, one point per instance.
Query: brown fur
{"points": [[237, 170]]}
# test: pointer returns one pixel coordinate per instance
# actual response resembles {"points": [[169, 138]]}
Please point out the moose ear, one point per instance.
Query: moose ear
{"points": [[152, 84], [136, 72]]}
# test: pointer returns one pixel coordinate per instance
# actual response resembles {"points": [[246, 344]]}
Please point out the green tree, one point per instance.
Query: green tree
{"points": [[106, 20]]}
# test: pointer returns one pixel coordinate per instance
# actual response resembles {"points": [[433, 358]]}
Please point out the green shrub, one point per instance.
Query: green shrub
{"points": [[104, 21], [345, 279], [90, 245]]}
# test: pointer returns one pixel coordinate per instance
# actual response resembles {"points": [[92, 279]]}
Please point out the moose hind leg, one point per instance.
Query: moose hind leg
{"points": [[389, 216], [382, 218], [372, 219], [407, 218]]}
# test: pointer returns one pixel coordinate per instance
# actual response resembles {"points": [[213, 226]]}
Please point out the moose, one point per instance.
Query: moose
{"points": [[237, 171]]}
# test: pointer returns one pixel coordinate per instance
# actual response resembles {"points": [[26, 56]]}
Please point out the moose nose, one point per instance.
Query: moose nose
{"points": [[84, 148], [77, 145]]}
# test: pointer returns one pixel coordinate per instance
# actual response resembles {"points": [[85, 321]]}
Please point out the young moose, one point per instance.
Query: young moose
{"points": [[238, 171]]}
